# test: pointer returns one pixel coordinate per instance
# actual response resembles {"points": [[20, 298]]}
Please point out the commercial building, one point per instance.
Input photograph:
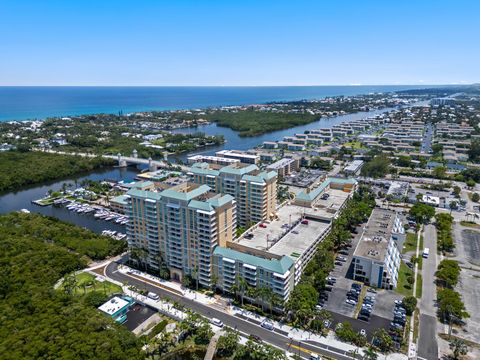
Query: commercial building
{"points": [[255, 191], [376, 259], [180, 227], [244, 157]]}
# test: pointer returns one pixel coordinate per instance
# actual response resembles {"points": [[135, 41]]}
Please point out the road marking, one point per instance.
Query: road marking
{"points": [[302, 349]]}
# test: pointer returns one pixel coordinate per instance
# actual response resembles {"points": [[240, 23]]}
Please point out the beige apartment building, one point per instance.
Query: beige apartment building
{"points": [[180, 227], [255, 191]]}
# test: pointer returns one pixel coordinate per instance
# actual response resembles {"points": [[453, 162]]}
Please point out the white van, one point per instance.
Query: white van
{"points": [[426, 251]]}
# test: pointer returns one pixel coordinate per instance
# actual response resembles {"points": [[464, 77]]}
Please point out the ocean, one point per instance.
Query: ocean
{"points": [[40, 102]]}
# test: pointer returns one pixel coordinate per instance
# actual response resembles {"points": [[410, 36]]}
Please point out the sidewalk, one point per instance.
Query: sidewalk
{"points": [[329, 342]]}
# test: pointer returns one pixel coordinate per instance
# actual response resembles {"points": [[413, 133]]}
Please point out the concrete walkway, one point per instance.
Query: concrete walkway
{"points": [[212, 346]]}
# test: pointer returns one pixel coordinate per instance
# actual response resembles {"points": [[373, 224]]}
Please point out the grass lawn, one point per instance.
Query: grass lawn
{"points": [[419, 286], [403, 287], [87, 282], [469, 224], [410, 243], [354, 145]]}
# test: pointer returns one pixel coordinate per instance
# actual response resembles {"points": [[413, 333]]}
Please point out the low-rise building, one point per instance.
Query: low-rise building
{"points": [[353, 168], [211, 160], [244, 157], [285, 166]]}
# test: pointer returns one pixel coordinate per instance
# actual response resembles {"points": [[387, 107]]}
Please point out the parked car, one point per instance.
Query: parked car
{"points": [[342, 258], [267, 325], [372, 290], [363, 332], [338, 263], [263, 226], [330, 278], [327, 323], [364, 318], [343, 252], [351, 302], [305, 222], [153, 296], [216, 322]]}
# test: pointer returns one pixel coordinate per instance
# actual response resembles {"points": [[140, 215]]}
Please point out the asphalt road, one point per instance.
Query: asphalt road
{"points": [[429, 290], [245, 326], [427, 139], [427, 341]]}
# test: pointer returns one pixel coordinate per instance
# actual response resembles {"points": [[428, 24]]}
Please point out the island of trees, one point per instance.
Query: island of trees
{"points": [[39, 322], [20, 169]]}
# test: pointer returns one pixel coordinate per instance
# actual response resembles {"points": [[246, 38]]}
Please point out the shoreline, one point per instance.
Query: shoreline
{"points": [[262, 99]]}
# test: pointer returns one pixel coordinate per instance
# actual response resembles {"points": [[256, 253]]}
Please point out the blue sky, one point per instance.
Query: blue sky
{"points": [[243, 42]]}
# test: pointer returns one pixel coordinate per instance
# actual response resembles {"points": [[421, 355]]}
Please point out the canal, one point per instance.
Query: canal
{"points": [[22, 199], [234, 141], [15, 201]]}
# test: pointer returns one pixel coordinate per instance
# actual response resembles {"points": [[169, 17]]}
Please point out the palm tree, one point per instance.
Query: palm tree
{"points": [[70, 283], [275, 301], [242, 287], [162, 267], [214, 282], [195, 276], [459, 347], [370, 354]]}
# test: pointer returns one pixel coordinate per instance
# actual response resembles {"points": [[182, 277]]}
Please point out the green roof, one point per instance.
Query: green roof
{"points": [[210, 204], [274, 265], [203, 169], [144, 194], [185, 196], [142, 184], [310, 196], [234, 170], [120, 199]]}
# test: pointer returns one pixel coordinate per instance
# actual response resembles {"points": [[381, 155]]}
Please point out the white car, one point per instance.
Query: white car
{"points": [[398, 302], [267, 325], [363, 332], [153, 296], [216, 322], [351, 302]]}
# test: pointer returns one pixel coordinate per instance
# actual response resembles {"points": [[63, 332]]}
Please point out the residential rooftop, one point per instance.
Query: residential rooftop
{"points": [[374, 242]]}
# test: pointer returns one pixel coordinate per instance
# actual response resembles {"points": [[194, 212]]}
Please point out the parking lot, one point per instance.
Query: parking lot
{"points": [[471, 244], [137, 314], [382, 303]]}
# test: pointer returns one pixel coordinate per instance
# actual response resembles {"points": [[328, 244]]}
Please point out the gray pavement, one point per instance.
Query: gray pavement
{"points": [[277, 338], [429, 290], [427, 343], [427, 340]]}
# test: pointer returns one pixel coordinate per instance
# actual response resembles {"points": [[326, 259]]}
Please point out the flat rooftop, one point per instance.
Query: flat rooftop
{"points": [[374, 242], [114, 305], [285, 235]]}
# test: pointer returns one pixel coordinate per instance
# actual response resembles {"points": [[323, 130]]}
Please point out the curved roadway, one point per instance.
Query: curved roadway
{"points": [[244, 325]]}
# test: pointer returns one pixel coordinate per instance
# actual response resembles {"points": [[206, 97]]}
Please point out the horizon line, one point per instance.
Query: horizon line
{"points": [[352, 85]]}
